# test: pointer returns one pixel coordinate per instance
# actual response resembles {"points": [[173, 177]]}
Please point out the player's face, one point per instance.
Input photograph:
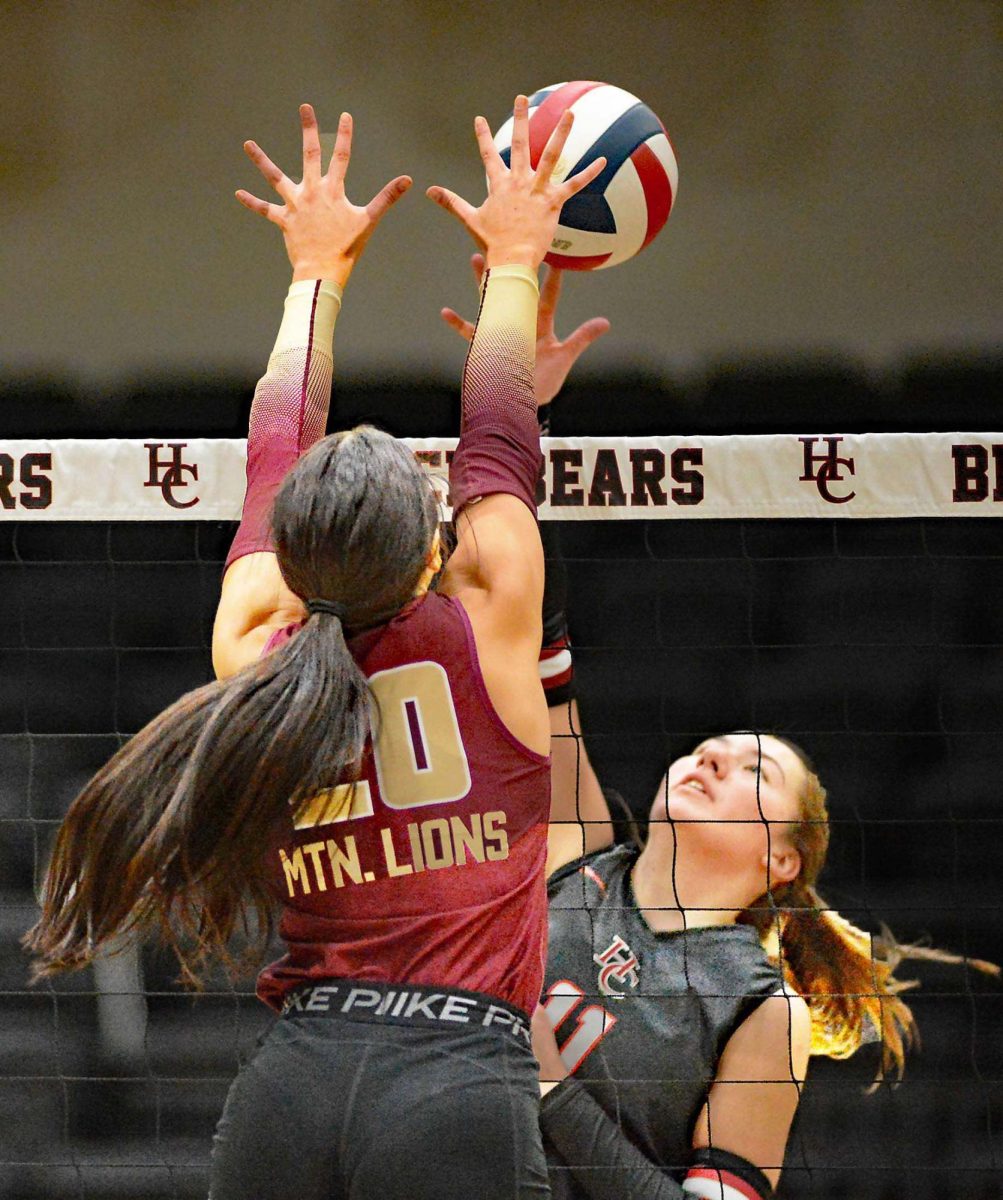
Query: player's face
{"points": [[742, 791]]}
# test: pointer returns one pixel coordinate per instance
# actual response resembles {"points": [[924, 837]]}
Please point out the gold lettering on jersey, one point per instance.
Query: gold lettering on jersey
{"points": [[437, 844], [414, 837], [500, 849], [314, 849], [431, 846], [465, 839], [393, 867], [295, 871], [344, 862]]}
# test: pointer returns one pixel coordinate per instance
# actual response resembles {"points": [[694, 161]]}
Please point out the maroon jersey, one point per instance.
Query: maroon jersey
{"points": [[431, 871]]}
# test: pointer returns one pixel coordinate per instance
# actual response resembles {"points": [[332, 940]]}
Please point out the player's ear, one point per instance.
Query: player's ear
{"points": [[784, 863], [433, 559]]}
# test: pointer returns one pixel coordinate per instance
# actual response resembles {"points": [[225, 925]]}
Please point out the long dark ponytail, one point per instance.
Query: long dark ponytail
{"points": [[169, 835]]}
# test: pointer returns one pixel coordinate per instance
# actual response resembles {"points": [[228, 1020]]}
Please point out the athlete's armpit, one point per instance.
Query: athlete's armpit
{"points": [[253, 604]]}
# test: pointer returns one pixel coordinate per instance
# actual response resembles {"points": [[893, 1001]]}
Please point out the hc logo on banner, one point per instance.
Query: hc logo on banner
{"points": [[829, 467], [168, 474]]}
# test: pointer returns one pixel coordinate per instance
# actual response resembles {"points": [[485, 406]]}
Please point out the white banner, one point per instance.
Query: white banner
{"points": [[778, 475]]}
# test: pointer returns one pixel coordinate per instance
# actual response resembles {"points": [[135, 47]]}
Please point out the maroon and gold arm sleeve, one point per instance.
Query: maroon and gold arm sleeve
{"points": [[290, 407], [499, 449]]}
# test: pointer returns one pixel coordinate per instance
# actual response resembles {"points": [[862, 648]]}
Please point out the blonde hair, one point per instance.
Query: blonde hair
{"points": [[846, 975]]}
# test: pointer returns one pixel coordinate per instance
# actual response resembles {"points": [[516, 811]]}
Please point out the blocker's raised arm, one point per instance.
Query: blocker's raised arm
{"points": [[494, 474], [325, 235]]}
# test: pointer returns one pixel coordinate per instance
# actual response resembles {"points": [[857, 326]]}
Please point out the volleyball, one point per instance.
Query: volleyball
{"points": [[623, 209]]}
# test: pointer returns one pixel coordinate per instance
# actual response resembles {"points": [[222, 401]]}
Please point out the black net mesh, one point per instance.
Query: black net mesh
{"points": [[875, 644]]}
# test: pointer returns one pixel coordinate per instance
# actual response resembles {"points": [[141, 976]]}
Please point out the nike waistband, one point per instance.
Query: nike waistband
{"points": [[402, 1004]]}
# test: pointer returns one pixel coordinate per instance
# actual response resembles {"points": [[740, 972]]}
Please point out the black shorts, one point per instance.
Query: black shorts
{"points": [[365, 1091]]}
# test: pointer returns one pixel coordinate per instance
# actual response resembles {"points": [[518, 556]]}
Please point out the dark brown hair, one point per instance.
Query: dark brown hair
{"points": [[170, 834]]}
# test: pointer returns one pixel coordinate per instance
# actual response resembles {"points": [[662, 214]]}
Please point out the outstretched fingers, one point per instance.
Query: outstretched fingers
{"points": [[342, 154], [311, 144], [550, 293], [453, 319], [494, 168], [586, 333], [520, 136], [477, 266], [273, 212], [387, 197], [279, 181], [552, 150], [454, 204], [571, 187]]}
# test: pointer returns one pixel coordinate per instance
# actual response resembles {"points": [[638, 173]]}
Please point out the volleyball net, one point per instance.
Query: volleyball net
{"points": [[841, 590]]}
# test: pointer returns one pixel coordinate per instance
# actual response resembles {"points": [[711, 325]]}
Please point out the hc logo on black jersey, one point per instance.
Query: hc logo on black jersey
{"points": [[619, 968], [168, 474], [829, 468]]}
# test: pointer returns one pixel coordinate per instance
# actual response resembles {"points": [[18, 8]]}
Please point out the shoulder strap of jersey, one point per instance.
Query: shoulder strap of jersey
{"points": [[597, 866]]}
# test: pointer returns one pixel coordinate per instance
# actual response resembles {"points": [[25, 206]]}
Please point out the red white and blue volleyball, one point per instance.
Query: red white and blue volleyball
{"points": [[622, 210]]}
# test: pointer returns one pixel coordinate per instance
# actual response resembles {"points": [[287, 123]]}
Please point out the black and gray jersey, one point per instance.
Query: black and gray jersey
{"points": [[641, 1018]]}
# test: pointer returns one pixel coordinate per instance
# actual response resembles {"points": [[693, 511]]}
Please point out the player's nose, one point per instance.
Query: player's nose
{"points": [[715, 758]]}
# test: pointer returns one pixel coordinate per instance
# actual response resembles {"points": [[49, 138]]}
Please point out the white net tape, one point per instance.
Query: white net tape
{"points": [[776, 475]]}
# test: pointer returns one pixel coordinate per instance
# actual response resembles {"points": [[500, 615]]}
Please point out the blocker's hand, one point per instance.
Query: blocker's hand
{"points": [[324, 233], [516, 222], [554, 358]]}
